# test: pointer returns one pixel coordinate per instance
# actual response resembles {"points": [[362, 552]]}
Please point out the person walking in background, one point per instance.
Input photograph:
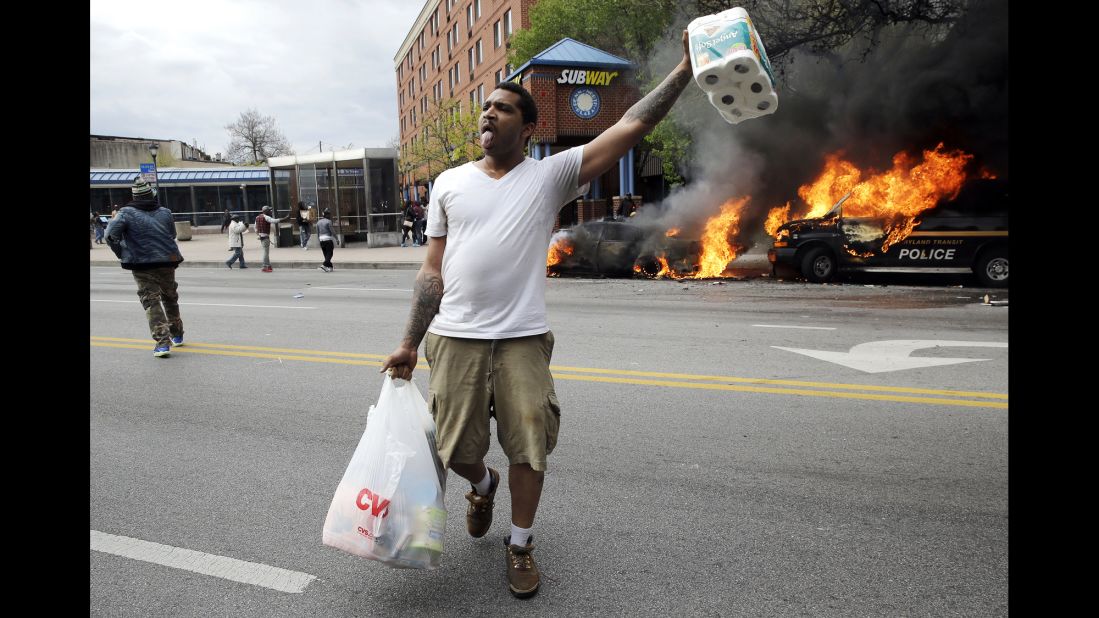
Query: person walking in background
{"points": [[417, 224], [303, 225], [143, 236], [327, 239], [407, 223], [98, 227], [263, 231], [226, 220], [237, 230]]}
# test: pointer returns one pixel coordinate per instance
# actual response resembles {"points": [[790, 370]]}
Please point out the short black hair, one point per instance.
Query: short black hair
{"points": [[527, 106]]}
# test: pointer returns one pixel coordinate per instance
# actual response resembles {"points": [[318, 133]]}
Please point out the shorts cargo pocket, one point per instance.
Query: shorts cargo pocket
{"points": [[553, 421]]}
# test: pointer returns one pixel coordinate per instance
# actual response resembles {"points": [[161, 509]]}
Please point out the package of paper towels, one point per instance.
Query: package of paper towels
{"points": [[731, 66]]}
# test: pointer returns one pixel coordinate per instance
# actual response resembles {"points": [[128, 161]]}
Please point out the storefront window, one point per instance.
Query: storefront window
{"points": [[178, 200], [207, 211]]}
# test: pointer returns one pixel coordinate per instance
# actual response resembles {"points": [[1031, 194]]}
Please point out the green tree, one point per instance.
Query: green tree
{"points": [[446, 138], [627, 28]]}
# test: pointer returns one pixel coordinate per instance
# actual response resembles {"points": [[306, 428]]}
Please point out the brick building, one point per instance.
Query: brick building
{"points": [[581, 91], [457, 49]]}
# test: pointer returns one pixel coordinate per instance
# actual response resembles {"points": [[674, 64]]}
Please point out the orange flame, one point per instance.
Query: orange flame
{"points": [[664, 268], [716, 250], [895, 197], [775, 218], [557, 251], [672, 233]]}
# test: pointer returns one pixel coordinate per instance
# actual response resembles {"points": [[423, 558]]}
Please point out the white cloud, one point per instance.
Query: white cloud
{"points": [[324, 69]]}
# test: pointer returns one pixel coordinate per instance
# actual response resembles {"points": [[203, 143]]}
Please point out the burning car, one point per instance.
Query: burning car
{"points": [[966, 234], [613, 248]]}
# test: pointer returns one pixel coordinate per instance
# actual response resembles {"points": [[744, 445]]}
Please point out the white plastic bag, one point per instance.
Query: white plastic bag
{"points": [[389, 505]]}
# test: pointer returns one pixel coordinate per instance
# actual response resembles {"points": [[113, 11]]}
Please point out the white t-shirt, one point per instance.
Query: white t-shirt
{"points": [[498, 233]]}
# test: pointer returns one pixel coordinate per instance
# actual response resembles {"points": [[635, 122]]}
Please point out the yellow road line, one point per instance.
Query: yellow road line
{"points": [[786, 391], [320, 356], [189, 349], [861, 387], [221, 346]]}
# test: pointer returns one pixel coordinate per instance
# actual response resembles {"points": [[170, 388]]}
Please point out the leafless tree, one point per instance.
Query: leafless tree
{"points": [[255, 137]]}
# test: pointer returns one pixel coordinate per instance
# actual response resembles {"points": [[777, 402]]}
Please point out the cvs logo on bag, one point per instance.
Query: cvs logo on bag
{"points": [[369, 500]]}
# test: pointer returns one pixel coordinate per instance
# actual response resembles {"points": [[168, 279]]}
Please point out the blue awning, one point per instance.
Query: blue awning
{"points": [[572, 53], [186, 176]]}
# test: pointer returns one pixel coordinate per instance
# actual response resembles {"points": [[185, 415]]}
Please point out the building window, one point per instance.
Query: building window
{"points": [[469, 18], [473, 99], [449, 42], [478, 2], [499, 77], [507, 22], [480, 57], [481, 94], [458, 72], [496, 35], [471, 65], [457, 41]]}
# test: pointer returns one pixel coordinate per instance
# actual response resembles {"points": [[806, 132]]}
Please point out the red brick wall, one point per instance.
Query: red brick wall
{"points": [[555, 117]]}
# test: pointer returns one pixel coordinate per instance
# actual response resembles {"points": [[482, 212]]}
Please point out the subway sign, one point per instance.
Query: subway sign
{"points": [[584, 77]]}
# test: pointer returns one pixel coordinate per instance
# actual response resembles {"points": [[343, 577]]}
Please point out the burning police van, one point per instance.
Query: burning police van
{"points": [[965, 235]]}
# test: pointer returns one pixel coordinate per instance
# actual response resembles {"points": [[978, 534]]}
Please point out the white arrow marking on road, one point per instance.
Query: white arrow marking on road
{"points": [[893, 355]]}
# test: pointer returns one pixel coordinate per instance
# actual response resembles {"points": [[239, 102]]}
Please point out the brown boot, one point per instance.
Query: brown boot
{"points": [[523, 577], [479, 512]]}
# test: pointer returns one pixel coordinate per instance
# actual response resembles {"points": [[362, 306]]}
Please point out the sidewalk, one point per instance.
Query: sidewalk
{"points": [[211, 250]]}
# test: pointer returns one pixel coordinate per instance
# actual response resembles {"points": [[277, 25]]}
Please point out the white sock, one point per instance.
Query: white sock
{"points": [[520, 534], [484, 484]]}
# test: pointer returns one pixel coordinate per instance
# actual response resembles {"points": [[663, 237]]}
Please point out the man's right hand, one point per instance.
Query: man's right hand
{"points": [[402, 361]]}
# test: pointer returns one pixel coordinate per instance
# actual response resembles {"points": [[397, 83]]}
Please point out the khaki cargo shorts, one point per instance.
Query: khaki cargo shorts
{"points": [[475, 379]]}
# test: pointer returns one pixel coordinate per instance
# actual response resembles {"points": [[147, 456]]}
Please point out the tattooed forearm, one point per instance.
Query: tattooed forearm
{"points": [[426, 295], [651, 109]]}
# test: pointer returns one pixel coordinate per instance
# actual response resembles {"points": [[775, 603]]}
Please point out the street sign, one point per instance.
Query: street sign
{"points": [[148, 171]]}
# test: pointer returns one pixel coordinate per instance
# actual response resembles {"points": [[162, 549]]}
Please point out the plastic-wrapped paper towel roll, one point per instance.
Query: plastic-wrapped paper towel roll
{"points": [[762, 103], [727, 99], [735, 114], [729, 61]]}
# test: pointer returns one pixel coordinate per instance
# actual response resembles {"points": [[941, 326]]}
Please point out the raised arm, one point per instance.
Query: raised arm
{"points": [[603, 151], [427, 293]]}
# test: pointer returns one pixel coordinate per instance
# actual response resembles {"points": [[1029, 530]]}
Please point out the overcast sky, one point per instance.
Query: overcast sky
{"points": [[184, 70]]}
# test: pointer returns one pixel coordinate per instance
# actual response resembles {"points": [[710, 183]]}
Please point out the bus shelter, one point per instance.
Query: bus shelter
{"points": [[358, 186]]}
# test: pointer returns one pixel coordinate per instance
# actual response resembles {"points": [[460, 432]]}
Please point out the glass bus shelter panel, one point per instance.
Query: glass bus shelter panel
{"points": [[283, 192], [383, 187], [307, 183], [351, 219], [326, 197]]}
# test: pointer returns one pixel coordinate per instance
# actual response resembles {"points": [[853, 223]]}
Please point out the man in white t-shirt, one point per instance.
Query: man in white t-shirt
{"points": [[480, 299]]}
